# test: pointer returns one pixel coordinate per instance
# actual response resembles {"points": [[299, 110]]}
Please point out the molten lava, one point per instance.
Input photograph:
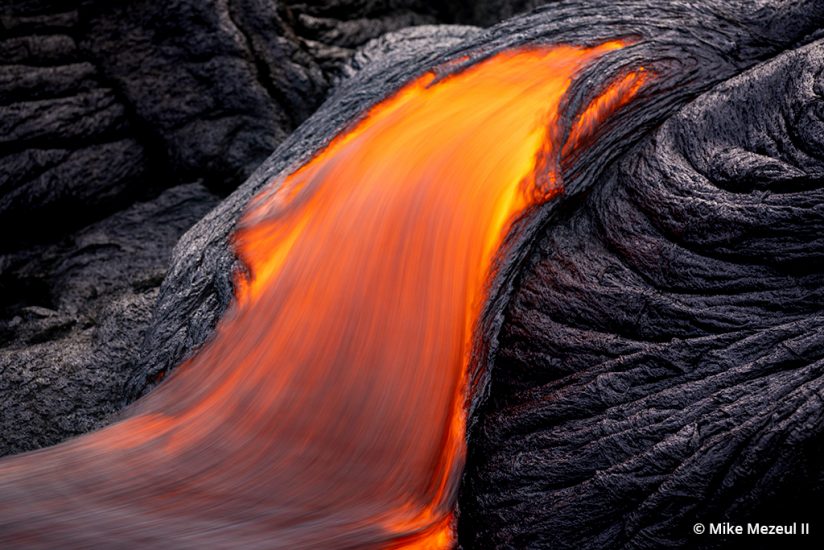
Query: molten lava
{"points": [[328, 411]]}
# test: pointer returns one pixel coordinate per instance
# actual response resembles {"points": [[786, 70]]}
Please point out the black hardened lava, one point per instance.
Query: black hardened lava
{"points": [[656, 364], [689, 50], [652, 356], [661, 363], [122, 123]]}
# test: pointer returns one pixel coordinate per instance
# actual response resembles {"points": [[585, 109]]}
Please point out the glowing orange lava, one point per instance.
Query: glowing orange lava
{"points": [[328, 411], [618, 94]]}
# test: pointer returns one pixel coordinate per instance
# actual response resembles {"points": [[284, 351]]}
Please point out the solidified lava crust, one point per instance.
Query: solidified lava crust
{"points": [[645, 355]]}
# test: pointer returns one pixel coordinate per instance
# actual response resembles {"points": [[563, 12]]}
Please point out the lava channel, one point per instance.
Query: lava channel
{"points": [[328, 411]]}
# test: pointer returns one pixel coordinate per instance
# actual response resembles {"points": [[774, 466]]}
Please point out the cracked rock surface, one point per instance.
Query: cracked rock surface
{"points": [[654, 339], [76, 312], [108, 110], [662, 359], [651, 356]]}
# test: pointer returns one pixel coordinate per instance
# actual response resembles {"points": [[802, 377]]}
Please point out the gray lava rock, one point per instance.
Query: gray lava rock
{"points": [[103, 106], [74, 316], [68, 148], [651, 356], [688, 49], [661, 360], [406, 44], [653, 344], [106, 102]]}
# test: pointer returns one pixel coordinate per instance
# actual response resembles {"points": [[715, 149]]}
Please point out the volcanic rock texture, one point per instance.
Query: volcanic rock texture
{"points": [[661, 361], [652, 354], [121, 125]]}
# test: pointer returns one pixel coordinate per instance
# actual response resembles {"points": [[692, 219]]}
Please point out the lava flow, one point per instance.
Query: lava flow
{"points": [[328, 410]]}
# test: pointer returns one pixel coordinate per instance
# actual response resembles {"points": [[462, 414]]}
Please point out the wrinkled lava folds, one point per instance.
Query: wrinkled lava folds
{"points": [[328, 409]]}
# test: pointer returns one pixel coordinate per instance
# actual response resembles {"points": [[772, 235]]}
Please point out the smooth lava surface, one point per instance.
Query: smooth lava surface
{"points": [[328, 410]]}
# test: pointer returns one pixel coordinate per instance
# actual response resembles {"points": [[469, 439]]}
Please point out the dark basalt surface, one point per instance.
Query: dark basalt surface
{"points": [[199, 286], [77, 310], [104, 106], [104, 101], [658, 351], [108, 112], [652, 355], [69, 150], [661, 360], [689, 49]]}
